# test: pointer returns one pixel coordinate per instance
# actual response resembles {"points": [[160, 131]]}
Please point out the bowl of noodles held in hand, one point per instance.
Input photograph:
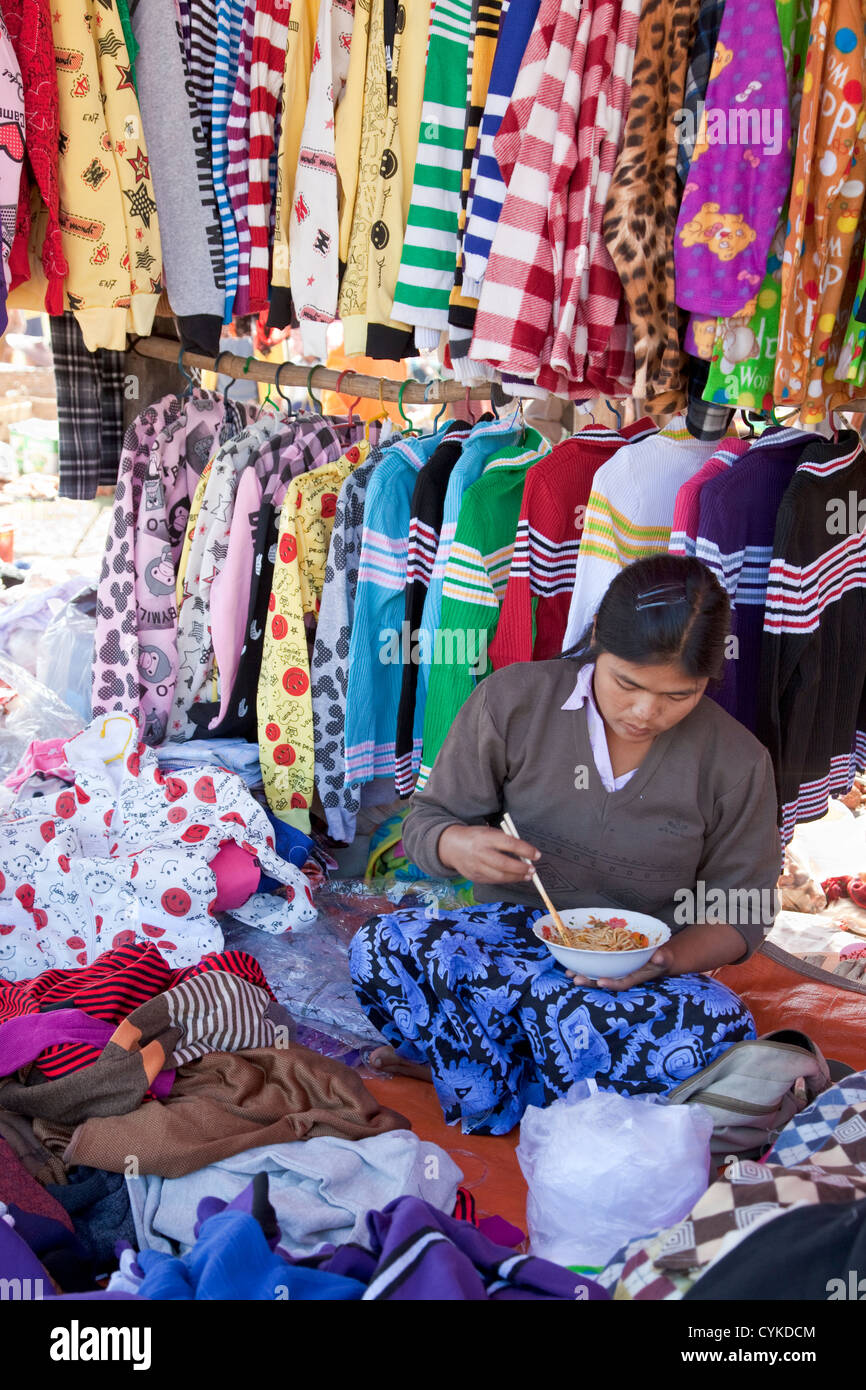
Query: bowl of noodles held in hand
{"points": [[604, 943]]}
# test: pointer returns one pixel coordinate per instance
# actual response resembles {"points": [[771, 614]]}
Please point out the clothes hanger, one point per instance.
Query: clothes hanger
{"points": [[316, 404], [190, 381], [613, 410], [467, 406], [234, 379], [411, 432], [285, 399]]}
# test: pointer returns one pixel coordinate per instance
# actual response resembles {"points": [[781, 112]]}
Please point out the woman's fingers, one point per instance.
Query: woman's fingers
{"points": [[500, 841], [502, 868]]}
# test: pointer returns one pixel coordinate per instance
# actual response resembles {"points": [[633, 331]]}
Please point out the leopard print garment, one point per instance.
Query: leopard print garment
{"points": [[643, 203]]}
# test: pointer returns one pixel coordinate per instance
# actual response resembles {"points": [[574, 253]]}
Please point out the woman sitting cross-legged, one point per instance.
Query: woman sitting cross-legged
{"points": [[630, 789]]}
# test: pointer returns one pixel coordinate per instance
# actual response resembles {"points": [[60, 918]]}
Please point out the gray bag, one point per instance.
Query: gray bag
{"points": [[755, 1088]]}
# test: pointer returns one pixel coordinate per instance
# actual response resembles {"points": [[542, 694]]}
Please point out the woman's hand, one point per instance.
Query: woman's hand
{"points": [[485, 855], [703, 946], [661, 962]]}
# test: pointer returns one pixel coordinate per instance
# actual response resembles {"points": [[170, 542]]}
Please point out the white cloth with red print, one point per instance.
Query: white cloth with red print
{"points": [[124, 855]]}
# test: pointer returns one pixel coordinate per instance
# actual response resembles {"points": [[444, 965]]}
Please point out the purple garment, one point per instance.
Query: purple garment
{"points": [[17, 1261], [23, 1039], [416, 1253], [735, 539], [739, 179], [238, 172]]}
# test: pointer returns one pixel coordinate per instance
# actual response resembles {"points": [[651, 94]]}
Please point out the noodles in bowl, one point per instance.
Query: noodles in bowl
{"points": [[602, 945], [601, 935]]}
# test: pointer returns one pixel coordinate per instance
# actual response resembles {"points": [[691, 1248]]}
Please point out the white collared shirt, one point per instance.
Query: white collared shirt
{"points": [[582, 694]]}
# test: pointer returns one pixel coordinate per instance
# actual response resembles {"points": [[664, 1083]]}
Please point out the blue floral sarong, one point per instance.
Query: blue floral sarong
{"points": [[473, 994]]}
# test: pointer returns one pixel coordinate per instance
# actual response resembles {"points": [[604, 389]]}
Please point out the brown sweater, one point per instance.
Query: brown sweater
{"points": [[701, 808]]}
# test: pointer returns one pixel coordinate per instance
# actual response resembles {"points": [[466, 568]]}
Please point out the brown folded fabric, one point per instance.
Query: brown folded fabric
{"points": [[226, 1103], [31, 1153], [212, 1012]]}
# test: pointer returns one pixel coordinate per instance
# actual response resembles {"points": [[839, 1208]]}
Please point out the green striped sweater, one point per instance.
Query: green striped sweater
{"points": [[430, 245], [473, 587]]}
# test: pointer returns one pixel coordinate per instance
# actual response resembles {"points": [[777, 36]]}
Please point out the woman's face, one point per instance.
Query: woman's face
{"points": [[640, 702]]}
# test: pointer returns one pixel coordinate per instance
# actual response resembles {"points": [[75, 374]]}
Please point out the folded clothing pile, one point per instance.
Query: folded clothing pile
{"points": [[127, 853]]}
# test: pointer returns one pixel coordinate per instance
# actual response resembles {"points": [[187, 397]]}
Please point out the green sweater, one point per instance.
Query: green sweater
{"points": [[698, 815], [473, 585]]}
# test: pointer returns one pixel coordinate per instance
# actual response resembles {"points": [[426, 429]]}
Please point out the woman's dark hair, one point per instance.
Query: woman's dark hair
{"points": [[664, 608]]}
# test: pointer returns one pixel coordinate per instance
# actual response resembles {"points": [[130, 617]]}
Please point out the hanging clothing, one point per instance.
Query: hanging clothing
{"points": [[639, 226], [206, 555], [237, 169], [135, 653], [28, 23], [475, 996], [11, 154], [473, 584], [630, 513], [812, 694], [736, 187], [89, 410], [425, 525], [353, 288], [373, 694], [300, 43], [314, 238], [285, 711], [180, 156], [480, 449], [687, 508], [824, 222], [534, 612], [430, 243], [387, 336], [736, 522], [329, 670], [229, 19]]}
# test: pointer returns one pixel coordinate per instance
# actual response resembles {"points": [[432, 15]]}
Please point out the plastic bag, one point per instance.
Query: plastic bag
{"points": [[603, 1169], [65, 656], [28, 711]]}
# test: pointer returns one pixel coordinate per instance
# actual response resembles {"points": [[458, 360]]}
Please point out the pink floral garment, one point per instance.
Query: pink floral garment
{"points": [[124, 855]]}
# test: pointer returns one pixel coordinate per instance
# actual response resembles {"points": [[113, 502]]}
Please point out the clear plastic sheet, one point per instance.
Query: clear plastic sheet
{"points": [[65, 655], [308, 968], [28, 711]]}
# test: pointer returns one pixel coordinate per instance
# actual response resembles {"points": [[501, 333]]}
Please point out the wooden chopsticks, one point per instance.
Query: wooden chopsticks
{"points": [[507, 824]]}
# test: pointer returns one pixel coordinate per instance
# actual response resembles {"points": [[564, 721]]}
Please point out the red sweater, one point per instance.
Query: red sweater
{"points": [[548, 539], [29, 25]]}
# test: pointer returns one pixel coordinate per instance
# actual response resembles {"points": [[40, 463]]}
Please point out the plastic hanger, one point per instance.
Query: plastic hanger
{"points": [[316, 404], [411, 432], [613, 410], [286, 400], [190, 381]]}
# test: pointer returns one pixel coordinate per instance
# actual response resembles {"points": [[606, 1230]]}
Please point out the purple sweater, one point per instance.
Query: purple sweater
{"points": [[741, 169], [735, 538]]}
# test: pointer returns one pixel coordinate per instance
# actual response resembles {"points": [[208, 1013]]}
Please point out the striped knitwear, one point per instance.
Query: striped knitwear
{"points": [[541, 580], [296, 77], [430, 245], [474, 584], [687, 508], [488, 190], [375, 663], [630, 514], [201, 45], [483, 445], [514, 310], [229, 18], [237, 172], [270, 37], [428, 506], [736, 521], [812, 702], [486, 21]]}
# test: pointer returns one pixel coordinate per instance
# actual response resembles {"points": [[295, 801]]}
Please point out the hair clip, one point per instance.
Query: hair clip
{"points": [[662, 596]]}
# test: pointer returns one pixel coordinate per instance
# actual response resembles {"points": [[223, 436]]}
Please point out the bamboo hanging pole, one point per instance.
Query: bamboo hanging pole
{"points": [[320, 379]]}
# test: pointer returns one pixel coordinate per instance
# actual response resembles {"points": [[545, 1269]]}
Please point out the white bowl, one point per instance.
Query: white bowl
{"points": [[606, 965]]}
